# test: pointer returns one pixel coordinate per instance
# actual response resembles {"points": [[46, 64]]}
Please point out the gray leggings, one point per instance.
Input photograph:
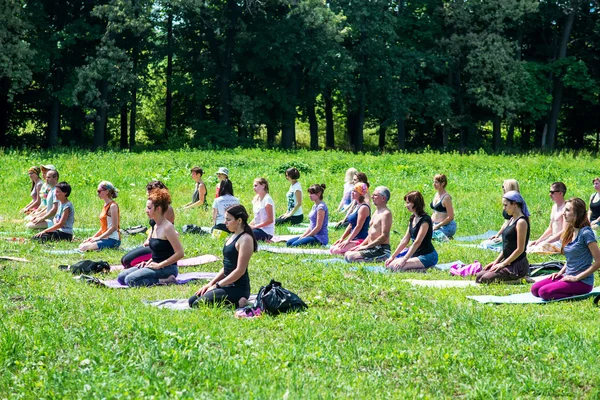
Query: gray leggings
{"points": [[136, 276]]}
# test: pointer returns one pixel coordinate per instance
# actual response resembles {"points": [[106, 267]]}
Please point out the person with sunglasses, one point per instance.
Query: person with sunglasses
{"points": [[549, 242], [109, 235]]}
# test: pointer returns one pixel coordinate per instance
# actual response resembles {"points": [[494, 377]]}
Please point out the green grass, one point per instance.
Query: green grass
{"points": [[364, 335]]}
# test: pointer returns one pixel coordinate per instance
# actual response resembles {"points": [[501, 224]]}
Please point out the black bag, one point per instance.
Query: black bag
{"points": [[195, 229], [87, 267], [134, 230], [274, 299]]}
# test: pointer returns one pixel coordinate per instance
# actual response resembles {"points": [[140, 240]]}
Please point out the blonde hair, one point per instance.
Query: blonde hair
{"points": [[112, 190], [350, 174], [510, 184]]}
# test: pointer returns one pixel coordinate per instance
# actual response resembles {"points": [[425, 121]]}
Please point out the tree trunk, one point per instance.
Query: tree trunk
{"points": [[526, 137], [312, 120], [510, 136], [169, 77], [382, 129], [133, 110], [557, 92], [497, 134], [123, 140], [401, 127], [271, 133], [77, 124], [54, 123], [288, 123], [329, 132], [102, 111], [461, 112]]}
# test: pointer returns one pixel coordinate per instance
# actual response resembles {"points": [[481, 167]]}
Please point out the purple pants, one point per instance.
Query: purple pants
{"points": [[548, 289]]}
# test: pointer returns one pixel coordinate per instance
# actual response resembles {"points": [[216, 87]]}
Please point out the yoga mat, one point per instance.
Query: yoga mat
{"points": [[186, 262], [69, 251], [327, 261], [14, 259], [380, 269], [292, 250], [446, 266], [528, 298], [441, 283], [473, 238], [181, 279], [179, 304], [282, 238]]}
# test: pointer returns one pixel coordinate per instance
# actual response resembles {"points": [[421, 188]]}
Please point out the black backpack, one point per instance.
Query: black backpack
{"points": [[87, 267], [274, 299]]}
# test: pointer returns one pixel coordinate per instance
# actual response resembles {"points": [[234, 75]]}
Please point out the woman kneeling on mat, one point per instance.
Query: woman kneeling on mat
{"points": [[443, 210], [421, 255], [316, 233], [164, 244], [109, 235], [511, 264], [232, 284], [263, 207], [144, 253], [358, 222], [581, 249]]}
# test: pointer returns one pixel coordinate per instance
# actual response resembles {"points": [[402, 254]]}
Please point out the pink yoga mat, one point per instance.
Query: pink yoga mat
{"points": [[186, 262]]}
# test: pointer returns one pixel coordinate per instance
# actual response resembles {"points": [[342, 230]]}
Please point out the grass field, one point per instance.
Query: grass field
{"points": [[365, 335]]}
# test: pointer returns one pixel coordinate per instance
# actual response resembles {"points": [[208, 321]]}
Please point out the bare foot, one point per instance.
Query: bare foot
{"points": [[168, 281]]}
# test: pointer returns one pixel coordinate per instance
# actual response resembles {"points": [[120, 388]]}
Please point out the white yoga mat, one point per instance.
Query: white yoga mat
{"points": [[441, 283]]}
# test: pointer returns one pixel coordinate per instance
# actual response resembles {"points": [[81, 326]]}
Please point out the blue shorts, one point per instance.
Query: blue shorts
{"points": [[449, 229], [429, 260], [108, 244]]}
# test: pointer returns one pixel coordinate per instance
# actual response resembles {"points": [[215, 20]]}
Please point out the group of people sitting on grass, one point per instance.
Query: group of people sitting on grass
{"points": [[366, 235]]}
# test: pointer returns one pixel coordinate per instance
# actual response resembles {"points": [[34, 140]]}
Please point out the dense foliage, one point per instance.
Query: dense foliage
{"points": [[360, 75]]}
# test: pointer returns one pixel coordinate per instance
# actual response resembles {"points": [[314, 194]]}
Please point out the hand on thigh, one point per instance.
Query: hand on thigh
{"points": [[413, 263], [89, 246]]}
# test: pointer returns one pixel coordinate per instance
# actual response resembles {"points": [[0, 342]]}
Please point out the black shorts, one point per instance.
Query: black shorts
{"points": [[377, 253]]}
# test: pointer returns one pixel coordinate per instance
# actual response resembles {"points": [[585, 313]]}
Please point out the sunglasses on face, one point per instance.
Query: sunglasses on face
{"points": [[101, 190]]}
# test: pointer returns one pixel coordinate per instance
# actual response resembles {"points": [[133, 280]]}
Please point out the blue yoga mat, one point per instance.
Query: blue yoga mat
{"points": [[473, 238]]}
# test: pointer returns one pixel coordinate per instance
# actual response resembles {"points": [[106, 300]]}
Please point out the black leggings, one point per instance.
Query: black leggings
{"points": [[225, 295], [294, 220], [136, 256], [54, 236]]}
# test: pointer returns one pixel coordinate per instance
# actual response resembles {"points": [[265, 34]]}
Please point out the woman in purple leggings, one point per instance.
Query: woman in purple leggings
{"points": [[583, 257]]}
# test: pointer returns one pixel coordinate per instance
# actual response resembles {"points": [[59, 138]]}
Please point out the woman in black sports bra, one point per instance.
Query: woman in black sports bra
{"points": [[164, 244], [443, 210], [232, 284], [594, 211]]}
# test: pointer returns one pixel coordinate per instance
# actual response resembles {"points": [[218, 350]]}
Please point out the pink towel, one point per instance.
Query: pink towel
{"points": [[466, 270]]}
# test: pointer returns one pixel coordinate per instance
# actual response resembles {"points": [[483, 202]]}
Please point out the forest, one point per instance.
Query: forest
{"points": [[360, 75]]}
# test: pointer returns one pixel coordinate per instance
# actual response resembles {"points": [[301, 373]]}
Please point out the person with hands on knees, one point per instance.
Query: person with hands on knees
{"points": [[349, 183], [421, 255], [36, 187], [583, 257], [164, 244], [62, 228], [263, 207], [549, 242], [109, 235], [594, 212], [294, 214], [511, 264], [42, 218], [232, 284], [358, 222], [317, 232], [443, 210], [199, 195], [376, 246]]}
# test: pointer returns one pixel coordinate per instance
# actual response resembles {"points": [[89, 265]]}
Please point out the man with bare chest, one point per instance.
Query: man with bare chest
{"points": [[549, 242], [376, 246]]}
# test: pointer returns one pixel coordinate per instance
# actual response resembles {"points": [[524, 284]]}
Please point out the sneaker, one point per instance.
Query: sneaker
{"points": [[248, 312]]}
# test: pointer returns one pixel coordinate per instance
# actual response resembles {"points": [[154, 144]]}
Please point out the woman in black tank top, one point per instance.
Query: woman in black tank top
{"points": [[232, 284], [594, 211], [164, 244], [512, 263]]}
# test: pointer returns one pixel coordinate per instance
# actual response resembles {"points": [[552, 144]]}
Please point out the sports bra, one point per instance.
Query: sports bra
{"points": [[439, 207]]}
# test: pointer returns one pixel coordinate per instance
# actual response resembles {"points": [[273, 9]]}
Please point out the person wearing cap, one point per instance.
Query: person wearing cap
{"points": [[199, 195], [358, 223], [512, 263], [549, 242], [294, 214], [43, 217], [36, 186], [222, 174]]}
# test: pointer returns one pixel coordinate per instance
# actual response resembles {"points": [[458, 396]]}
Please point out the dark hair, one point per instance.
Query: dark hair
{"points": [[155, 185], [416, 198], [293, 173], [581, 220], [226, 187], [238, 211], [560, 187], [317, 189], [263, 181], [160, 198], [198, 170], [64, 187], [362, 177]]}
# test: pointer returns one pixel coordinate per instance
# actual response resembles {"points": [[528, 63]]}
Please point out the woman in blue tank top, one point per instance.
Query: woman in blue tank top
{"points": [[358, 223]]}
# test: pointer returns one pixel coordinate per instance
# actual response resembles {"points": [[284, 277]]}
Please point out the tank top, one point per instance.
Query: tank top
{"points": [[230, 261], [426, 246], [353, 219], [594, 208], [509, 240], [161, 248], [439, 207], [106, 223]]}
